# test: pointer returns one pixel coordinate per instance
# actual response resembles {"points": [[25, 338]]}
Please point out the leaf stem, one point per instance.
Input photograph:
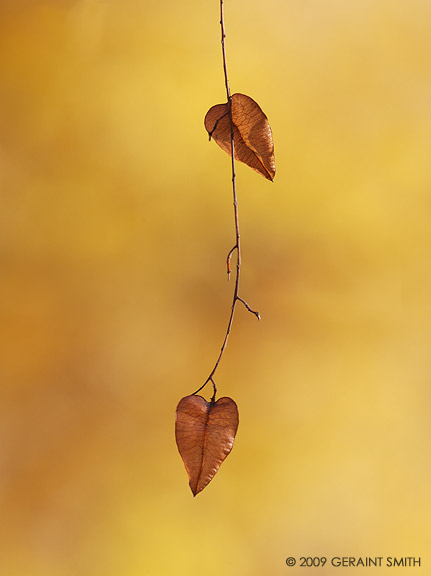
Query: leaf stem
{"points": [[237, 246]]}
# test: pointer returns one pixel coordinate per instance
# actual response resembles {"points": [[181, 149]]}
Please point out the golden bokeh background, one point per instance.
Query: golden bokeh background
{"points": [[115, 221]]}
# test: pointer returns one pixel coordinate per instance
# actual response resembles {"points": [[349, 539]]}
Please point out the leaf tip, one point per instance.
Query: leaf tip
{"points": [[196, 490], [270, 174]]}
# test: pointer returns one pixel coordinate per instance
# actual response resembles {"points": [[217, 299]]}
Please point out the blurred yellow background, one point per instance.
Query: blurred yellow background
{"points": [[115, 221]]}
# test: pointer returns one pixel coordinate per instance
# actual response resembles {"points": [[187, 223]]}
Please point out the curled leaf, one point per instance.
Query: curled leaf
{"points": [[205, 432], [252, 133]]}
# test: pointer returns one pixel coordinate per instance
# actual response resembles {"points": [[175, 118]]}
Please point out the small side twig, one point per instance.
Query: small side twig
{"points": [[255, 312], [229, 256]]}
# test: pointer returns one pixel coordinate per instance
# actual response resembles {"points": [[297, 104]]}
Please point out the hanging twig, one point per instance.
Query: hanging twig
{"points": [[237, 246]]}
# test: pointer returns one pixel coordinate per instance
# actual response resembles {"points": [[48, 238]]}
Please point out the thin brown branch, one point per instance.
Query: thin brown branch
{"points": [[237, 246]]}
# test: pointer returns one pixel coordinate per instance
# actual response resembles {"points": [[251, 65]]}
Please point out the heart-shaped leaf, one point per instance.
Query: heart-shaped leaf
{"points": [[252, 133], [205, 432]]}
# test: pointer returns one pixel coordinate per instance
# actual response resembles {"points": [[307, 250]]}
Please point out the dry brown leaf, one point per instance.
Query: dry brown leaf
{"points": [[205, 432], [253, 142]]}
